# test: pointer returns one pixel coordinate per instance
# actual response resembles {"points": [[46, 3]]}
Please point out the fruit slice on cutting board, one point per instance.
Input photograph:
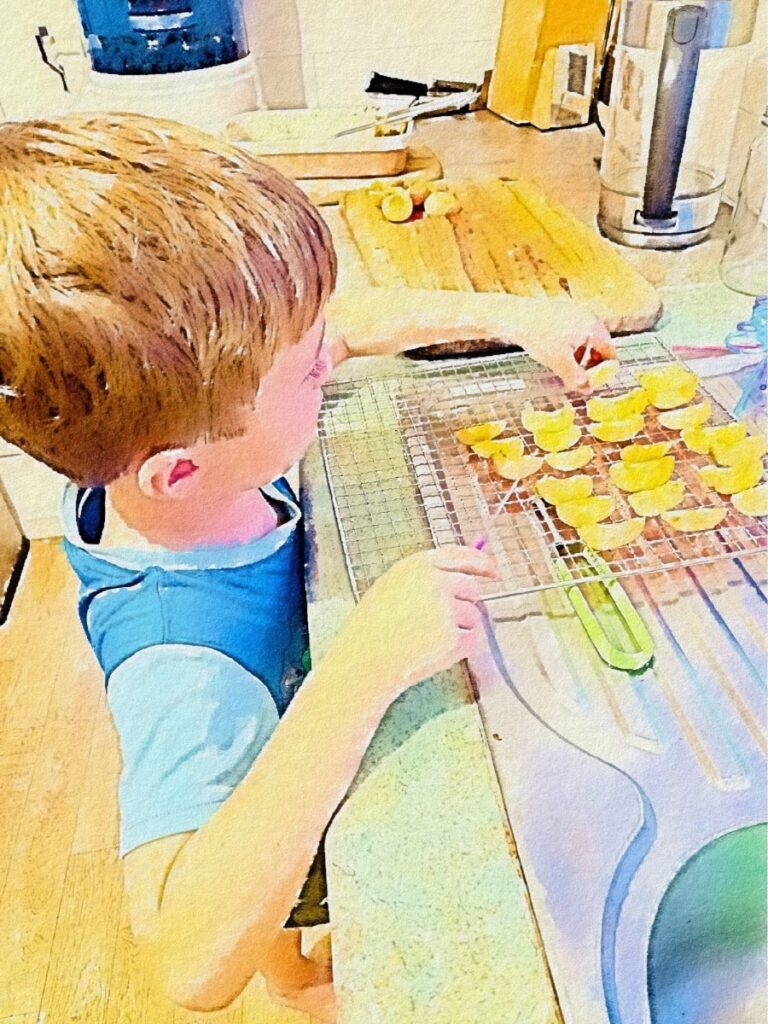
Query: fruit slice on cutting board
{"points": [[576, 458], [517, 469], [669, 386], [619, 407], [481, 432], [642, 476], [731, 479], [645, 452], [585, 511], [603, 374], [659, 499], [507, 447], [557, 490], [752, 502], [441, 204], [702, 439], [397, 205], [617, 430], [693, 520], [690, 416], [746, 450], [547, 420], [609, 536], [557, 440]]}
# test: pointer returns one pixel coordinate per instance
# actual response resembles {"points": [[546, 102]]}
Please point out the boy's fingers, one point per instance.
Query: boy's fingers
{"points": [[467, 615], [465, 587], [456, 558]]}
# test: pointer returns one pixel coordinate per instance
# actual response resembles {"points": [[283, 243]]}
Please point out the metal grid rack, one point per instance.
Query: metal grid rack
{"points": [[394, 466]]}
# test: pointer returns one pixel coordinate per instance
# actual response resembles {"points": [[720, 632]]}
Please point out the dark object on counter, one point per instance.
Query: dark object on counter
{"points": [[389, 85], [476, 347], [14, 547]]}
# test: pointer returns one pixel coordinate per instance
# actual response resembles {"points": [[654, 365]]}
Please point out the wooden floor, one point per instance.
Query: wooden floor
{"points": [[66, 952]]}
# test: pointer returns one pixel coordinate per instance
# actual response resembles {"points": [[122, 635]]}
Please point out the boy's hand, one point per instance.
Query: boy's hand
{"points": [[418, 618], [563, 340]]}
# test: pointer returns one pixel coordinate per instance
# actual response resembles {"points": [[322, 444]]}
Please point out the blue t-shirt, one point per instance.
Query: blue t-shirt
{"points": [[201, 651]]}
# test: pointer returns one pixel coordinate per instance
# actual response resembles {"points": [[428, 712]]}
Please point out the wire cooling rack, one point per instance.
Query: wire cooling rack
{"points": [[395, 468]]}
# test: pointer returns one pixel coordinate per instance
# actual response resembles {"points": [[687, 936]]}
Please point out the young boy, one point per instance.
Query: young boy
{"points": [[166, 324]]}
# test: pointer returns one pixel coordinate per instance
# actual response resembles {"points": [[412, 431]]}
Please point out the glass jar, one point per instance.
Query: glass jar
{"points": [[744, 266]]}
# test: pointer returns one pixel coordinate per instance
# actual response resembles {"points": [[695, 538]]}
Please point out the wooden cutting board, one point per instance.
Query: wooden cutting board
{"points": [[508, 236]]}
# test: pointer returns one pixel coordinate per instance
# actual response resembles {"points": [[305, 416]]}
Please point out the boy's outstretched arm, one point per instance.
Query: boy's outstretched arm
{"points": [[385, 321], [209, 906]]}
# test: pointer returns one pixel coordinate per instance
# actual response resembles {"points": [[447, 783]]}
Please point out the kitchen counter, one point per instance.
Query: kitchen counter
{"points": [[431, 916]]}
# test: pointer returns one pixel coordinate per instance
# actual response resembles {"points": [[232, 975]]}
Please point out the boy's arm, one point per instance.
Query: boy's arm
{"points": [[382, 321], [208, 907]]}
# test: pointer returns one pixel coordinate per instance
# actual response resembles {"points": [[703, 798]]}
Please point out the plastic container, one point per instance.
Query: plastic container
{"points": [[744, 266], [150, 37]]}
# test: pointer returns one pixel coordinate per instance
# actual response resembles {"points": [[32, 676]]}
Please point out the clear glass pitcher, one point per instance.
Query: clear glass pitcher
{"points": [[744, 266]]}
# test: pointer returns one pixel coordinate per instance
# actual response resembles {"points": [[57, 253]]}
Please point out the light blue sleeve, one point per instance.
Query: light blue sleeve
{"points": [[191, 722]]}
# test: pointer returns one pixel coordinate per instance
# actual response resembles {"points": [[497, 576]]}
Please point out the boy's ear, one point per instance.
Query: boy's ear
{"points": [[167, 474]]}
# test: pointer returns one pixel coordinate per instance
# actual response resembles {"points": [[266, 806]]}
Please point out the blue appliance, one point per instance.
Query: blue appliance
{"points": [[150, 37]]}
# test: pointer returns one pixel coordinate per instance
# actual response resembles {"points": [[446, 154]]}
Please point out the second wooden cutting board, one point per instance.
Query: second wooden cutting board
{"points": [[507, 236]]}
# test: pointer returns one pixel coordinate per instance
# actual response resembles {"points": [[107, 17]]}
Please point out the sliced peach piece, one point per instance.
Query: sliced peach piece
{"points": [[517, 469], [642, 476], [659, 499], [746, 450], [692, 520], [609, 536], [557, 440], [480, 432], [690, 416], [645, 452], [557, 490], [549, 420], [508, 447], [576, 458], [618, 407], [752, 502], [585, 511], [732, 479]]}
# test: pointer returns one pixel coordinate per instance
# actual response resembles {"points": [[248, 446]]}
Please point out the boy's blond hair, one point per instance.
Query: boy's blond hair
{"points": [[149, 274]]}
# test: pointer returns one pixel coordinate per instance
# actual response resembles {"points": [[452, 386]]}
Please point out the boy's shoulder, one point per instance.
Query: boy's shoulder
{"points": [[246, 601]]}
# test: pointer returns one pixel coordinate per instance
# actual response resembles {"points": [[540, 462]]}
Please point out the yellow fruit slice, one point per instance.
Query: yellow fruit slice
{"points": [[691, 520], [703, 439], [645, 452], [752, 502], [517, 469], [508, 448], [555, 490], [731, 479], [658, 500], [397, 205], [669, 386], [552, 421], [557, 440], [746, 450], [418, 190], [617, 430], [690, 416], [576, 458], [604, 373], [642, 476], [440, 204], [697, 439], [619, 407], [481, 432], [609, 536], [585, 511]]}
